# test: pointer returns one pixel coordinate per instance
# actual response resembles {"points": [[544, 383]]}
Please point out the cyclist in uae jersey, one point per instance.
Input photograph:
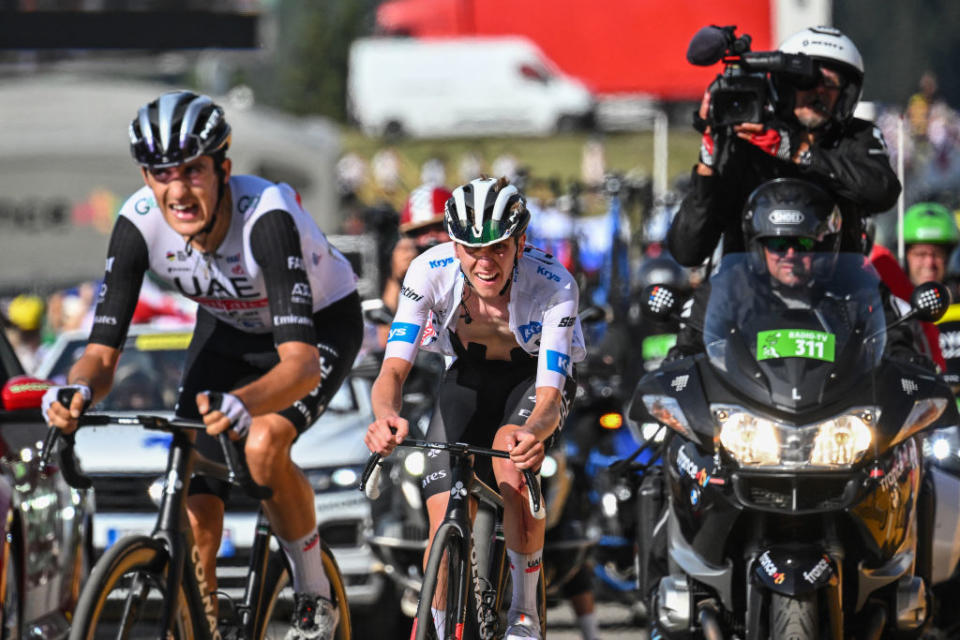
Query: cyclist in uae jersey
{"points": [[508, 315], [278, 327]]}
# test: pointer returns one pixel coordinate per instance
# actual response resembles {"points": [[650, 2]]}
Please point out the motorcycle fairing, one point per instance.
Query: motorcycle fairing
{"points": [[885, 510], [794, 569], [679, 379], [701, 501]]}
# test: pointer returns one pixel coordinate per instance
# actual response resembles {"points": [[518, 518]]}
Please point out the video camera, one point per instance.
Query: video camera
{"points": [[744, 92]]}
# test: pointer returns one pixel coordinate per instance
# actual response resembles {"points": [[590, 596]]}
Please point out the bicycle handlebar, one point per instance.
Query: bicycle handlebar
{"points": [[235, 471], [372, 470]]}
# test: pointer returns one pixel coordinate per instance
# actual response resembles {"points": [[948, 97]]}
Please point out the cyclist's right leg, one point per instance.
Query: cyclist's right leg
{"points": [[205, 512]]}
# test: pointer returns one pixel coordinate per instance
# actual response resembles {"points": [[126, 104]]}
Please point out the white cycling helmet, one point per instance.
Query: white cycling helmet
{"points": [[829, 45], [485, 211]]}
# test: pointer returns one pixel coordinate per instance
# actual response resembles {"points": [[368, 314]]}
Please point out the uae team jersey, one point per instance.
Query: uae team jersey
{"points": [[272, 272], [542, 308]]}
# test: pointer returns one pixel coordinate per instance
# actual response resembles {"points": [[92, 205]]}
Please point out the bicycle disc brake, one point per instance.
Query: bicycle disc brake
{"points": [[488, 619]]}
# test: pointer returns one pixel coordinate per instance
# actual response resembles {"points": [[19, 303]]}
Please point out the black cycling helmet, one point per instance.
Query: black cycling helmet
{"points": [[791, 208], [485, 211], [178, 127]]}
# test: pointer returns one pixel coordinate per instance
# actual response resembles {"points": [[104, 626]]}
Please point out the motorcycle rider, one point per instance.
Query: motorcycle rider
{"points": [[508, 314], [794, 251], [814, 137]]}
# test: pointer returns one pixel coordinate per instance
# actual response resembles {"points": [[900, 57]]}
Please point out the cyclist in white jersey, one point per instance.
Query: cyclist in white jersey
{"points": [[508, 315], [278, 327]]}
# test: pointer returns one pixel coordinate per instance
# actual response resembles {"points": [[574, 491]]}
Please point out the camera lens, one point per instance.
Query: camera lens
{"points": [[733, 107]]}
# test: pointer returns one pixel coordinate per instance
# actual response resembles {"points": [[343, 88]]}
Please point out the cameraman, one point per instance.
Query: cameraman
{"points": [[815, 137]]}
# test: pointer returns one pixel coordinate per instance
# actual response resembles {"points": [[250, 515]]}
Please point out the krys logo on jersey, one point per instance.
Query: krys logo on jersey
{"points": [[559, 362], [403, 332], [527, 331]]}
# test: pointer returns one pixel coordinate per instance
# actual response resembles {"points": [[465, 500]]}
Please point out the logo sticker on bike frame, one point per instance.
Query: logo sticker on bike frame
{"points": [[796, 343]]}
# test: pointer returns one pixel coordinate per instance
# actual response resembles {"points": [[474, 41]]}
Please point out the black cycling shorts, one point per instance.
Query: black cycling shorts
{"points": [[223, 358], [476, 397]]}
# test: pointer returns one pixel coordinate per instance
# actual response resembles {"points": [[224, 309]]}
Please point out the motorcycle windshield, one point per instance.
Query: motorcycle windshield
{"points": [[794, 332]]}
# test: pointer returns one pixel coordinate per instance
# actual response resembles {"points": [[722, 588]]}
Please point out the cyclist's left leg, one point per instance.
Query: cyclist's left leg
{"points": [[339, 330], [523, 534]]}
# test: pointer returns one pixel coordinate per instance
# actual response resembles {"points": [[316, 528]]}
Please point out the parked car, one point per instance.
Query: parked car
{"points": [[126, 463], [461, 86], [45, 524]]}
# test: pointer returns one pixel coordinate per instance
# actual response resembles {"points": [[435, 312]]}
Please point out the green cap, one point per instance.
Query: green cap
{"points": [[929, 223]]}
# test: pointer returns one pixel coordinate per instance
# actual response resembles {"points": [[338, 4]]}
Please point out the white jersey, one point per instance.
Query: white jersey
{"points": [[542, 309], [230, 284]]}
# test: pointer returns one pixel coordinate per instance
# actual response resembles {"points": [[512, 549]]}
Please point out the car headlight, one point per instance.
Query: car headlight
{"points": [[755, 440], [333, 479], [549, 466], [345, 477], [414, 463]]}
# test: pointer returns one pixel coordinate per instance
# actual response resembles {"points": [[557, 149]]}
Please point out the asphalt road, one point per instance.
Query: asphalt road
{"points": [[616, 623]]}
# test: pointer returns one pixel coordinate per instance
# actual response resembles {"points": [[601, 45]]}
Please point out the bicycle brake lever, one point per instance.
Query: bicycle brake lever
{"points": [[534, 496], [370, 479]]}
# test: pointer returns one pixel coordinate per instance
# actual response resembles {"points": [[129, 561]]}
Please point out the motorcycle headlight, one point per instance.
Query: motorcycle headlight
{"points": [[750, 439], [754, 440], [841, 441]]}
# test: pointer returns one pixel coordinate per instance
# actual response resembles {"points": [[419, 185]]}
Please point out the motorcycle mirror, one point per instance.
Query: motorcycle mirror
{"points": [[659, 301], [930, 301], [592, 314]]}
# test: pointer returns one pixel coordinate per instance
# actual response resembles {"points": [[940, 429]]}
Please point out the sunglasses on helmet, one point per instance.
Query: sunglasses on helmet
{"points": [[782, 244]]}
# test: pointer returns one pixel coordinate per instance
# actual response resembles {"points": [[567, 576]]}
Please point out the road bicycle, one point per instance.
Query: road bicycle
{"points": [[154, 586], [477, 589]]}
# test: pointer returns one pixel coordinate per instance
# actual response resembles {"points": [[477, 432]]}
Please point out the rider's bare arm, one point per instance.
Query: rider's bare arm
{"points": [[386, 395], [94, 370], [386, 398]]}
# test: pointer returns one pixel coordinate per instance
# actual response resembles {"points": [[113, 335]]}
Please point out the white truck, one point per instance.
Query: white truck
{"points": [[461, 86]]}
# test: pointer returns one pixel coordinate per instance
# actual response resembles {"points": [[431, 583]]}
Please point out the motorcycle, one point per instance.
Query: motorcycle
{"points": [[793, 469]]}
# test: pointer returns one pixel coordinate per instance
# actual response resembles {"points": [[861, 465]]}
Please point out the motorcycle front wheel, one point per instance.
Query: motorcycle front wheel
{"points": [[793, 618]]}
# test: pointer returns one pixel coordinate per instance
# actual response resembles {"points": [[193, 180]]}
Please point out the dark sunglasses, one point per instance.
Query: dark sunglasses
{"points": [[806, 83], [782, 244]]}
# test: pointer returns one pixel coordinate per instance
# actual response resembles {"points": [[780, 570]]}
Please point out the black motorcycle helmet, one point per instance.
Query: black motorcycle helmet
{"points": [[796, 209], [662, 270]]}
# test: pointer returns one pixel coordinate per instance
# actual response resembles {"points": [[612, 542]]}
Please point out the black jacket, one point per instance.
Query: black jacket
{"points": [[850, 163]]}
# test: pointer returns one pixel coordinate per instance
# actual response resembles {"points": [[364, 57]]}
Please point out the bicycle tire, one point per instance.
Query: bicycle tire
{"points": [[448, 549], [276, 609], [96, 616]]}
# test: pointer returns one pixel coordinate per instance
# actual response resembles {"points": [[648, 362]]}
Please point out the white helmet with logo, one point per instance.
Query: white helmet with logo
{"points": [[837, 51]]}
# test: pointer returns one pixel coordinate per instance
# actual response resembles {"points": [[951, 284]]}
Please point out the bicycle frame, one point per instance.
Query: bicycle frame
{"points": [[486, 548], [172, 530]]}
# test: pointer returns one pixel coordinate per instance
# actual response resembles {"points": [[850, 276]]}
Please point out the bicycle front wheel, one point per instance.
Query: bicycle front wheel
{"points": [[124, 594], [445, 581], [276, 610]]}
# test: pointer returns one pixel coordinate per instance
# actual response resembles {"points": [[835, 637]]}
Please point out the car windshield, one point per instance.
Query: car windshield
{"points": [[148, 373], [826, 321]]}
